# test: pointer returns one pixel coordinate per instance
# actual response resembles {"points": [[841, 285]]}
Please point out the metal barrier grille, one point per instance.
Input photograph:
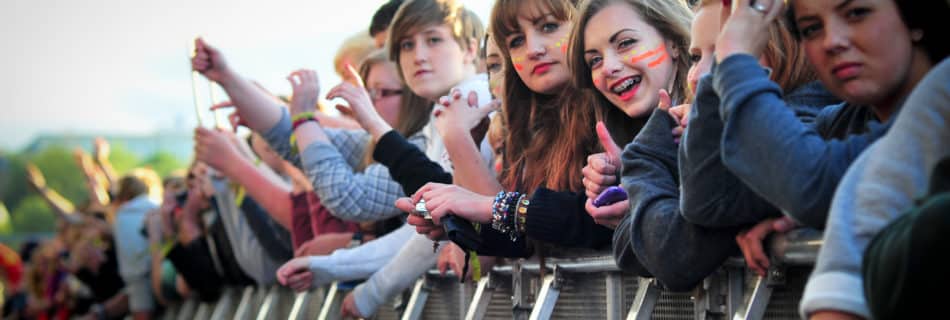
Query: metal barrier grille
{"points": [[582, 296], [784, 301], [499, 307], [674, 306], [391, 310], [445, 297], [630, 284], [315, 302]]}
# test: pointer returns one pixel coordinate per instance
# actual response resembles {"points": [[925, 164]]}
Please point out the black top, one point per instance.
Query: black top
{"points": [[554, 217]]}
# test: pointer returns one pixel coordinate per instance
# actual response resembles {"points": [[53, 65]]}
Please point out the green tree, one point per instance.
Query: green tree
{"points": [[163, 163], [6, 225], [122, 159], [33, 216], [62, 174], [14, 186]]}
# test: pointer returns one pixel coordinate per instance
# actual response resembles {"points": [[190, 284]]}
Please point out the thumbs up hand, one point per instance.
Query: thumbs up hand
{"points": [[602, 168], [679, 114]]}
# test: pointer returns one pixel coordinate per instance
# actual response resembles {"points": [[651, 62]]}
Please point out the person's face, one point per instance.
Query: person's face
{"points": [[433, 62], [379, 39], [496, 69], [538, 49], [386, 90], [702, 43], [629, 60], [861, 49]]}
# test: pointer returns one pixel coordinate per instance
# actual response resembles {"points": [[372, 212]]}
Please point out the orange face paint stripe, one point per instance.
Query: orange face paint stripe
{"points": [[659, 60], [648, 54]]}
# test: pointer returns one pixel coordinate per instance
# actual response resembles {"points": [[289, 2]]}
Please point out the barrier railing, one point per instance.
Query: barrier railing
{"points": [[583, 287]]}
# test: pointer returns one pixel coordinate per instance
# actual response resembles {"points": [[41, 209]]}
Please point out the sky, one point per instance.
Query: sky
{"points": [[121, 67]]}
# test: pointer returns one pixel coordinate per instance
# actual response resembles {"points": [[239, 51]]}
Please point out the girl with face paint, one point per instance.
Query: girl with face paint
{"points": [[549, 135]]}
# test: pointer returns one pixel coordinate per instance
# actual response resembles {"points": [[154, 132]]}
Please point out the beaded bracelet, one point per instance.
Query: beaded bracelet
{"points": [[496, 219], [502, 210]]}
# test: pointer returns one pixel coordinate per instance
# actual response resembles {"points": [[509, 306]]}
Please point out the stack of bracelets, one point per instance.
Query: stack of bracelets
{"points": [[509, 213]]}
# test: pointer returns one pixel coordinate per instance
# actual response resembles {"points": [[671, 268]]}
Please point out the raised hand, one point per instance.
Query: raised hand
{"points": [[456, 112], [602, 168], [101, 150], [210, 62], [215, 148], [360, 104], [746, 27], [665, 104], [306, 88]]}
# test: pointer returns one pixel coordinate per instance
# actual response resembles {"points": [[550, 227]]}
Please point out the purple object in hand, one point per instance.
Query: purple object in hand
{"points": [[610, 196]]}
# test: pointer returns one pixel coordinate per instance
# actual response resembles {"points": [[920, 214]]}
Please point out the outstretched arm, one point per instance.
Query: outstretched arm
{"points": [[63, 208], [97, 182], [101, 155], [214, 148], [258, 110]]}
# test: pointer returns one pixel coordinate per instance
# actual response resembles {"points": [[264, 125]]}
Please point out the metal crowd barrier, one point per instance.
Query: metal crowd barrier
{"points": [[571, 288]]}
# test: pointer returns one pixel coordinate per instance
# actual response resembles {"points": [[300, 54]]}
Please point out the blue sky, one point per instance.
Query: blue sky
{"points": [[111, 66]]}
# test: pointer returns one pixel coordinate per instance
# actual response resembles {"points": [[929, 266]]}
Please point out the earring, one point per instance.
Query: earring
{"points": [[916, 35]]}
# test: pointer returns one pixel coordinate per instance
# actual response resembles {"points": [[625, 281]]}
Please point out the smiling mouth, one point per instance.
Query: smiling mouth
{"points": [[627, 87]]}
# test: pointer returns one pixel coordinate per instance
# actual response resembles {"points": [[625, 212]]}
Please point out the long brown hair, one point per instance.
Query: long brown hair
{"points": [[549, 137]]}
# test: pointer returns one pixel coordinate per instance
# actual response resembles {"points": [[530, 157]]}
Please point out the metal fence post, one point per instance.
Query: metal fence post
{"points": [[417, 301], [614, 296], [479, 305], [547, 298], [330, 303], [647, 295]]}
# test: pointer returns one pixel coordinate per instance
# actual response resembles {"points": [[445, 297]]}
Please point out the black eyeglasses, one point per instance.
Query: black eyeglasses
{"points": [[376, 94]]}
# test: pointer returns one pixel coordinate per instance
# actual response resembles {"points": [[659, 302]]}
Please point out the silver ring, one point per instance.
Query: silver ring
{"points": [[759, 7]]}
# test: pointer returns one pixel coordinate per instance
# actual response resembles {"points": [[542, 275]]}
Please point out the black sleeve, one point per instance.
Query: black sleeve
{"points": [[193, 263], [408, 165], [560, 218], [497, 244]]}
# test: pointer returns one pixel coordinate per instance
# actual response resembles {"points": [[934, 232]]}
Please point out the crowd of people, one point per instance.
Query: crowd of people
{"points": [[461, 145]]}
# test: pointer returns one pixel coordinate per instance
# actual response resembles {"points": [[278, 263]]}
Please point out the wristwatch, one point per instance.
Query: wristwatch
{"points": [[357, 239]]}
